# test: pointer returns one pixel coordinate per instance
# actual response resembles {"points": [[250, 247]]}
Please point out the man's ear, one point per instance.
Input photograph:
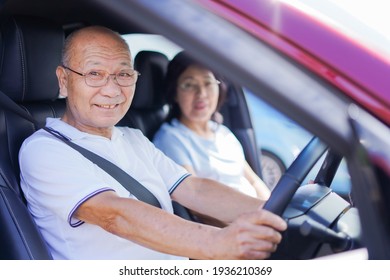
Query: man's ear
{"points": [[62, 81]]}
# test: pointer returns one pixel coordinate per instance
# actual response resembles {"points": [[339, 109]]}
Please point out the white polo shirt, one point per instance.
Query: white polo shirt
{"points": [[56, 180]]}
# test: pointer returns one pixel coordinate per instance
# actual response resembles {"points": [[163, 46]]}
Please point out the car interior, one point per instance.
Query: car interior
{"points": [[31, 50]]}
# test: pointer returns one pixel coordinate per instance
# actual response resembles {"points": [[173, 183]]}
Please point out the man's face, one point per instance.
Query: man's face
{"points": [[96, 109]]}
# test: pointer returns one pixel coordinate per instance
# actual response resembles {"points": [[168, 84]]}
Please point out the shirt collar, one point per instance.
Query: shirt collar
{"points": [[75, 134]]}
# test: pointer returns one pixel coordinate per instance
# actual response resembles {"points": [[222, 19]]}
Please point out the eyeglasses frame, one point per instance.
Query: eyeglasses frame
{"points": [[109, 75]]}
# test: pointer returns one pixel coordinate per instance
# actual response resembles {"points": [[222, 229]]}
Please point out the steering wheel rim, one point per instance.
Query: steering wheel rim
{"points": [[292, 179]]}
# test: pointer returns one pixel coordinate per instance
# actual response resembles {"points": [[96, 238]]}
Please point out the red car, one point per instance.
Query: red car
{"points": [[308, 66], [324, 38]]}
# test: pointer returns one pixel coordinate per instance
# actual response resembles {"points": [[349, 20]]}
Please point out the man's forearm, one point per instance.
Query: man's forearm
{"points": [[252, 236], [148, 226]]}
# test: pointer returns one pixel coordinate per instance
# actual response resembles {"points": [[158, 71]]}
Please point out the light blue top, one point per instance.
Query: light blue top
{"points": [[221, 158]]}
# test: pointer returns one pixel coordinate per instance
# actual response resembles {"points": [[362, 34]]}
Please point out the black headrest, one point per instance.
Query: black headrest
{"points": [[150, 85], [30, 51]]}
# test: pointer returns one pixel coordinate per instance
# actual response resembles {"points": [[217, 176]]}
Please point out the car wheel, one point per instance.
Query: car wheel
{"points": [[272, 168]]}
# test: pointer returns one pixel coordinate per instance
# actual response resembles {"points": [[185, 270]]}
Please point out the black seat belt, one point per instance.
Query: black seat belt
{"points": [[127, 181], [131, 184]]}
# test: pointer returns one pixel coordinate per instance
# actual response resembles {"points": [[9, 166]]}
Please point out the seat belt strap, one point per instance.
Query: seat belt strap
{"points": [[132, 185]]}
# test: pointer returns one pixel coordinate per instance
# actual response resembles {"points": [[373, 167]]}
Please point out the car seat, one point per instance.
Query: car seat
{"points": [[148, 110], [30, 52]]}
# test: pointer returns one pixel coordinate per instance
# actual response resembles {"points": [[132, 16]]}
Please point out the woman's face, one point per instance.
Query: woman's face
{"points": [[197, 94]]}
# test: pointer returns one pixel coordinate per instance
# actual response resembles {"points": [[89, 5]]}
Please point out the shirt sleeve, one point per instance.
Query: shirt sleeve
{"points": [[56, 179]]}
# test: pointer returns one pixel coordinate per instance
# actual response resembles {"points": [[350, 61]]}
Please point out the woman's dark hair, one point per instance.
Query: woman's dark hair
{"points": [[175, 68]]}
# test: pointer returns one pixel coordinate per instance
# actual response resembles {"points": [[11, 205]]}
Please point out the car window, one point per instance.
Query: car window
{"points": [[279, 139], [151, 42]]}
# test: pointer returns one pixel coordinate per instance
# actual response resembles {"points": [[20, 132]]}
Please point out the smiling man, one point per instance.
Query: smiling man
{"points": [[84, 213], [96, 99]]}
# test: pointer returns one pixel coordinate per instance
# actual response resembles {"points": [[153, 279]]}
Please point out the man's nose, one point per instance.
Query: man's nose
{"points": [[111, 88]]}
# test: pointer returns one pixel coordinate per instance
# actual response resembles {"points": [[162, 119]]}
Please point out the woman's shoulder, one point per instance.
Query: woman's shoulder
{"points": [[221, 128], [169, 131], [173, 127]]}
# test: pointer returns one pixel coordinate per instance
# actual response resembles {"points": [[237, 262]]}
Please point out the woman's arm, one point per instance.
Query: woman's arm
{"points": [[211, 198], [262, 190]]}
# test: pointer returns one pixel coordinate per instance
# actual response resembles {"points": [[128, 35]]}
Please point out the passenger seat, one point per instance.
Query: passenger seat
{"points": [[148, 110]]}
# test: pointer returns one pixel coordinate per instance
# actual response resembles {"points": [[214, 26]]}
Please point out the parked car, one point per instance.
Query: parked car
{"points": [[330, 81]]}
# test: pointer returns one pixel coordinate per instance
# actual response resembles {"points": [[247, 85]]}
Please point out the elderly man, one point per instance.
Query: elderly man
{"points": [[83, 213]]}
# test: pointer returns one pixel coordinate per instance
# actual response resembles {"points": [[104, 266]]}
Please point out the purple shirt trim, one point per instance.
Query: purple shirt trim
{"points": [[173, 188], [79, 222]]}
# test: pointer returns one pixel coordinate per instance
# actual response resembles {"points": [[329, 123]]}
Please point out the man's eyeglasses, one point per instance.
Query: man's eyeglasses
{"points": [[99, 78], [193, 86]]}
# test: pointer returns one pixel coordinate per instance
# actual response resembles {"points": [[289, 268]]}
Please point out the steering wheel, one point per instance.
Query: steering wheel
{"points": [[307, 230], [294, 176]]}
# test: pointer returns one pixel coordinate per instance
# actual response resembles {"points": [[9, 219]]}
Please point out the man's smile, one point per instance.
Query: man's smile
{"points": [[107, 106]]}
